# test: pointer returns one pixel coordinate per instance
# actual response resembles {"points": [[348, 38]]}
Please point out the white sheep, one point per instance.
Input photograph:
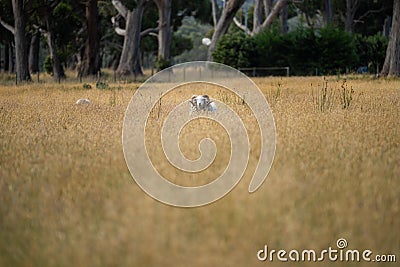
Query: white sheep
{"points": [[202, 103], [83, 101]]}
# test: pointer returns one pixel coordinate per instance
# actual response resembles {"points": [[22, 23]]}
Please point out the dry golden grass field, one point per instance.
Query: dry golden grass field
{"points": [[68, 199]]}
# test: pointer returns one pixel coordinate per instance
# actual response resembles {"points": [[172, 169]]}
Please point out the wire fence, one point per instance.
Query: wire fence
{"points": [[266, 71], [108, 75]]}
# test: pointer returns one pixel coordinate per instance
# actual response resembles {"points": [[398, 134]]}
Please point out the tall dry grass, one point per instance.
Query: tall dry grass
{"points": [[67, 198]]}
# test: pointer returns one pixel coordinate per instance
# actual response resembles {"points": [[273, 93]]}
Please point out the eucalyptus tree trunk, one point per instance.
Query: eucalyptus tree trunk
{"points": [[34, 53], [91, 59], [164, 29], [232, 6], [5, 59], [279, 5], [328, 15], [257, 16], [21, 51], [391, 67], [267, 7], [129, 63], [386, 26], [351, 9], [11, 61], [284, 19], [58, 70], [214, 11]]}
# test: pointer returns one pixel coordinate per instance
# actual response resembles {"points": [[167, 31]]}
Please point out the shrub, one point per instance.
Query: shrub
{"points": [[271, 50], [371, 50], [162, 63], [303, 52], [236, 50], [180, 44], [328, 49], [337, 50]]}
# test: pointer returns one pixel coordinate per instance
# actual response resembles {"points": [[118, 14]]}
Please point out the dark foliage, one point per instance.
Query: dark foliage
{"points": [[306, 51]]}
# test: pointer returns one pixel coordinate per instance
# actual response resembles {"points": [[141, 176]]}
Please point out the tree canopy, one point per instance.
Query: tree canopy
{"points": [[127, 35]]}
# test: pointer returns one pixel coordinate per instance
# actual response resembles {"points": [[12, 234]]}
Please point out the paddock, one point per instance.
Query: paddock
{"points": [[68, 198]]}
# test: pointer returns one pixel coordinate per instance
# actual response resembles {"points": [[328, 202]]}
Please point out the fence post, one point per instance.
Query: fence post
{"points": [[287, 71], [200, 72]]}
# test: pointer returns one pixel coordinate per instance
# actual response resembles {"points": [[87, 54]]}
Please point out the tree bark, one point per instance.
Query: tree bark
{"points": [[267, 7], [232, 6], [280, 4], [11, 61], [58, 70], [391, 67], [257, 16], [129, 63], [7, 57], [284, 19], [215, 17], [351, 9], [274, 12], [386, 26], [21, 51], [90, 64], [328, 16], [34, 53], [164, 26]]}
